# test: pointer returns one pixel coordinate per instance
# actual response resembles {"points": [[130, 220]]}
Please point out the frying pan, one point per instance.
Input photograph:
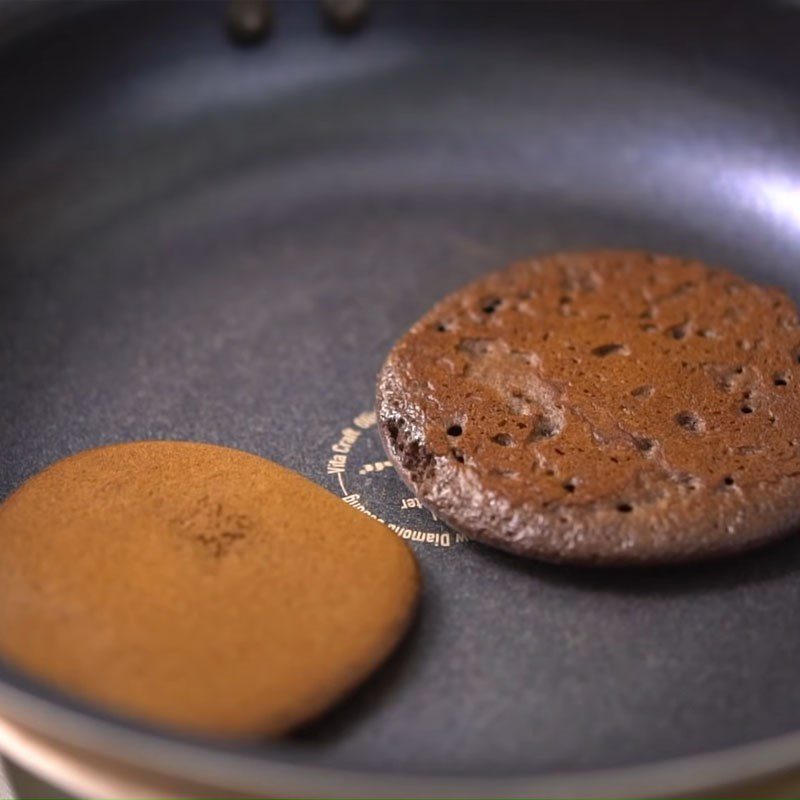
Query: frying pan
{"points": [[205, 242]]}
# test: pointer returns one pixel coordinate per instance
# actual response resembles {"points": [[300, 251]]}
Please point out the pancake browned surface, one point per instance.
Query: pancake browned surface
{"points": [[604, 408], [197, 586]]}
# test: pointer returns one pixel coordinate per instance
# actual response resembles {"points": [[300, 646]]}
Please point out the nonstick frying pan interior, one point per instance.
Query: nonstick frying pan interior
{"points": [[204, 242]]}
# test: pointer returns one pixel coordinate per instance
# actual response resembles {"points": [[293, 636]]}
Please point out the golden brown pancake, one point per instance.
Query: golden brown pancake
{"points": [[196, 586]]}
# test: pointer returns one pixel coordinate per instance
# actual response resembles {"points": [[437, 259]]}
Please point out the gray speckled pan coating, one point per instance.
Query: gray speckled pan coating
{"points": [[213, 244]]}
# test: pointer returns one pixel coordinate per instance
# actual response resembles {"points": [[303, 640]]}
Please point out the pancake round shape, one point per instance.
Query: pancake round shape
{"points": [[604, 408], [198, 587]]}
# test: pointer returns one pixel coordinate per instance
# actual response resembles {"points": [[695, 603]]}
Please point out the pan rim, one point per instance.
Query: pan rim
{"points": [[215, 767]]}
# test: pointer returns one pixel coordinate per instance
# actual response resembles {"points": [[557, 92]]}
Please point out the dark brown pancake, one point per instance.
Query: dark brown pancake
{"points": [[602, 408]]}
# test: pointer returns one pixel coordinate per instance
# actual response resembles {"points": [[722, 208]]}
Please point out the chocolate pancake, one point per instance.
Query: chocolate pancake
{"points": [[602, 408], [197, 586]]}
